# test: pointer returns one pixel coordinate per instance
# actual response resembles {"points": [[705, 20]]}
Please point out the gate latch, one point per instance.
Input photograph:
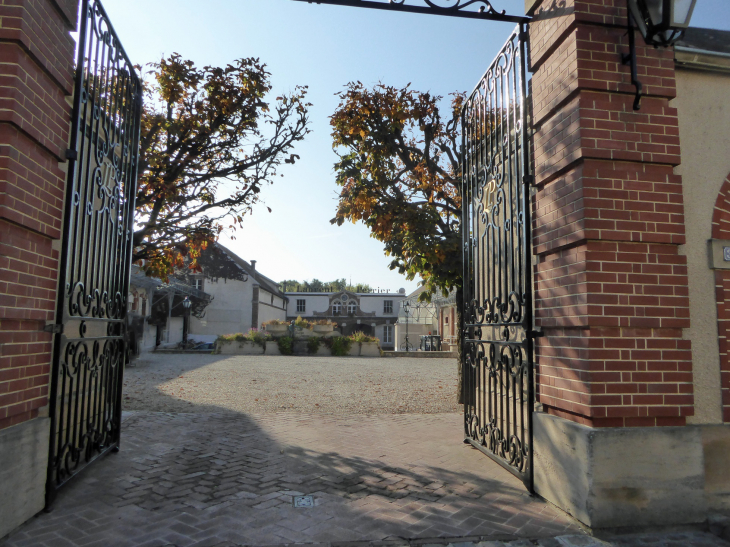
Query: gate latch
{"points": [[536, 333], [55, 328]]}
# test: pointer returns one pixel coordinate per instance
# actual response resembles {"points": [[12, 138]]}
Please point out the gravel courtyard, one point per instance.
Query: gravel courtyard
{"points": [[312, 385]]}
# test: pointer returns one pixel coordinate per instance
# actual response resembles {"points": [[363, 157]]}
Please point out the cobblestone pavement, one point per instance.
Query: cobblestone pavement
{"points": [[314, 385], [203, 479]]}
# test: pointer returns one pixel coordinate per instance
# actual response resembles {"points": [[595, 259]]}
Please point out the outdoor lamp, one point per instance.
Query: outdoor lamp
{"points": [[406, 307], [661, 22], [187, 303]]}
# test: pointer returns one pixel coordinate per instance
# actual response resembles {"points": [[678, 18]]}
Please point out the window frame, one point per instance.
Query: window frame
{"points": [[303, 302], [388, 333], [388, 307]]}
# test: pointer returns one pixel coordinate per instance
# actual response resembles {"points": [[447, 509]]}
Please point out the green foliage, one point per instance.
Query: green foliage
{"points": [[235, 337], [324, 322], [362, 337], [340, 345], [286, 345], [302, 323], [399, 175], [313, 343], [291, 285], [210, 141], [275, 322], [254, 335]]}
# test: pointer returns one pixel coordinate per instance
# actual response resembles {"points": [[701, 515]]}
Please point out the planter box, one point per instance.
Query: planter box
{"points": [[277, 329], [354, 350], [323, 329], [323, 350], [239, 348], [300, 347], [369, 349], [272, 348]]}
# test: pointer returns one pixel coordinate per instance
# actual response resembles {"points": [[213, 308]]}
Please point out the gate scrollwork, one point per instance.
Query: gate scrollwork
{"points": [[90, 343], [497, 319]]}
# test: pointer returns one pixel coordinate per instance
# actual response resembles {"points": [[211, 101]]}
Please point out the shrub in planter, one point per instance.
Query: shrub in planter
{"points": [[313, 345], [251, 343], [286, 345], [302, 323], [340, 345], [275, 325]]}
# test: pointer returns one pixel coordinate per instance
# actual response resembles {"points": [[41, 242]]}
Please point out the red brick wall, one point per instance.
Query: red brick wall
{"points": [[36, 70], [721, 230], [611, 284]]}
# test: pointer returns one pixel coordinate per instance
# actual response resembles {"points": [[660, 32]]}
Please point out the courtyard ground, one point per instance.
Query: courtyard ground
{"points": [[216, 450]]}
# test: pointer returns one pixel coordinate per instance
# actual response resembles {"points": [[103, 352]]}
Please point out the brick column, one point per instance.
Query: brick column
{"points": [[36, 68], [36, 72], [611, 291]]}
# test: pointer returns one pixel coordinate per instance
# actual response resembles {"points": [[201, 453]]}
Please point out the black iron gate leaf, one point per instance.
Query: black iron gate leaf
{"points": [[497, 352], [90, 340]]}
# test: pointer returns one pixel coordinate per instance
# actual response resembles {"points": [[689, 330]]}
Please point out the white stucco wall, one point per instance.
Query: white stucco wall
{"points": [[375, 302], [704, 130], [230, 310], [315, 302], [270, 307]]}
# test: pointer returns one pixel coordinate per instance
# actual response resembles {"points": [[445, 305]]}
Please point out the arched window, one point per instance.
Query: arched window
{"points": [[351, 306], [336, 307]]}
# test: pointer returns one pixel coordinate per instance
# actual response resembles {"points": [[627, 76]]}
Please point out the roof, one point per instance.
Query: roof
{"points": [[265, 282], [140, 280], [706, 39]]}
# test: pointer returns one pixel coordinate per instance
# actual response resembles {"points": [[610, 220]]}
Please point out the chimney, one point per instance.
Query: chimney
{"points": [[253, 264]]}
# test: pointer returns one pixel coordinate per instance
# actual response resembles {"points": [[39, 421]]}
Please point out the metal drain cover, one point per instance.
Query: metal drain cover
{"points": [[303, 501]]}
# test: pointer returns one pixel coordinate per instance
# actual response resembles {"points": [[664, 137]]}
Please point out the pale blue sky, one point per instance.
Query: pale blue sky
{"points": [[323, 47]]}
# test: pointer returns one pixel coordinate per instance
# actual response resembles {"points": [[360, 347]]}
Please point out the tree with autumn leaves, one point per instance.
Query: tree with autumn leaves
{"points": [[210, 142], [399, 174], [398, 170]]}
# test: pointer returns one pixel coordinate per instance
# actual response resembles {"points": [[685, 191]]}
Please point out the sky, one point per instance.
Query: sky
{"points": [[323, 47]]}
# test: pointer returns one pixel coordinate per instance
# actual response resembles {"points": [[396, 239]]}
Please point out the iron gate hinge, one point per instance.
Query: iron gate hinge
{"points": [[54, 328], [71, 154], [536, 333]]}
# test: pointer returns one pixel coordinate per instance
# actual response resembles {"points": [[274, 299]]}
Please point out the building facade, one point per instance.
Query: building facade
{"points": [[242, 297], [374, 314]]}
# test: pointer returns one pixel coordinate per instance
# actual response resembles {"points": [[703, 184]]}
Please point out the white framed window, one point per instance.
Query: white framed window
{"points": [[198, 283], [336, 307], [387, 306], [301, 305], [351, 307], [387, 334]]}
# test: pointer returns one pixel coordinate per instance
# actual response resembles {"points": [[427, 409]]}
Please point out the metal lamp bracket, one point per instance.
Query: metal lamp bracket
{"points": [[630, 59]]}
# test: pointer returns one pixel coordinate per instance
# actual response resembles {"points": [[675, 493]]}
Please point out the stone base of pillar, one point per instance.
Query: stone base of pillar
{"points": [[23, 467], [632, 477]]}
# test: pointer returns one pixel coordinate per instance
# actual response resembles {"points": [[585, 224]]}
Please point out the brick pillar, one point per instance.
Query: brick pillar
{"points": [[611, 289], [36, 71], [611, 280]]}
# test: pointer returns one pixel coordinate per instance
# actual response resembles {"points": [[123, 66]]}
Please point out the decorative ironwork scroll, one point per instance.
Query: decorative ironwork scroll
{"points": [[471, 9], [497, 320], [90, 340]]}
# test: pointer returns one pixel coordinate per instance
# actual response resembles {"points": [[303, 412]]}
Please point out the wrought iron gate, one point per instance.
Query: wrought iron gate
{"points": [[497, 356], [89, 342]]}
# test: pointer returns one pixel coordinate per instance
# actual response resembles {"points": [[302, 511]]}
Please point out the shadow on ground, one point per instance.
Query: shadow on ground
{"points": [[203, 478]]}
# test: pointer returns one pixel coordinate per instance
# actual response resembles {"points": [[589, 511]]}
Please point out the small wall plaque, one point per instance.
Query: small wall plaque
{"points": [[726, 254]]}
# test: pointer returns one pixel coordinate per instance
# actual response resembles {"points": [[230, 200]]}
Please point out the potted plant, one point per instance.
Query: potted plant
{"points": [[251, 343], [368, 345], [276, 326], [323, 326]]}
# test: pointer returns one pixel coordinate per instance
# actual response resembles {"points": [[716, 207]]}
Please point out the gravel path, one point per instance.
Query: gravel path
{"points": [[258, 384]]}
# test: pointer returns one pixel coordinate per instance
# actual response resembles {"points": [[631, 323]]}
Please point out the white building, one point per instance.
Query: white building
{"points": [[243, 297], [373, 313]]}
